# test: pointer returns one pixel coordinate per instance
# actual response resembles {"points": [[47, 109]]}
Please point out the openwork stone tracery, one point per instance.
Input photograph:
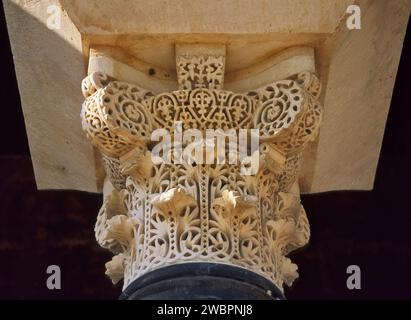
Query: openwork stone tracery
{"points": [[162, 214]]}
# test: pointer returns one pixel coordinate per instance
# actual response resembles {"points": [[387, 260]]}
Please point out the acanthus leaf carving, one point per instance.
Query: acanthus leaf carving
{"points": [[161, 214]]}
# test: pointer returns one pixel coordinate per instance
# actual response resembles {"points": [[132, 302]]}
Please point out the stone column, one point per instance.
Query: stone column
{"points": [[183, 228]]}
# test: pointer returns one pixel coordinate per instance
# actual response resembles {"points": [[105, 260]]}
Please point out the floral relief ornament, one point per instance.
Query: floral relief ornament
{"points": [[161, 214]]}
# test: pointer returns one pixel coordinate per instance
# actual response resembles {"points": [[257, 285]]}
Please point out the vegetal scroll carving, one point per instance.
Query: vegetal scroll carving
{"points": [[160, 214]]}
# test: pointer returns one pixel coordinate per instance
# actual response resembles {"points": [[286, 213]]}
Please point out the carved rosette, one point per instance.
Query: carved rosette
{"points": [[162, 214]]}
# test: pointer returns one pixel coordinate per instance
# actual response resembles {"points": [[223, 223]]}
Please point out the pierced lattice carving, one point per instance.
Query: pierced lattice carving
{"points": [[202, 109], [287, 115], [161, 214], [112, 168], [114, 116], [200, 71]]}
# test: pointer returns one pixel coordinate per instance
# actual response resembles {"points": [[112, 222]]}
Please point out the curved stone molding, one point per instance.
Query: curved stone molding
{"points": [[160, 214]]}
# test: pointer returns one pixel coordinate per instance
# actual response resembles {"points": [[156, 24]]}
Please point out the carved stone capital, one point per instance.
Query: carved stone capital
{"points": [[168, 213]]}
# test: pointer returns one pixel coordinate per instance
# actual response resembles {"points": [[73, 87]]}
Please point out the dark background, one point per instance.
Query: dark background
{"points": [[368, 229]]}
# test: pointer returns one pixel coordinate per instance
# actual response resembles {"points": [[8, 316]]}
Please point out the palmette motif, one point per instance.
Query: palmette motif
{"points": [[163, 214]]}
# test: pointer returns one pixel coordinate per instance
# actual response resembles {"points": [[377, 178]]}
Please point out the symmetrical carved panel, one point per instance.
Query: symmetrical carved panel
{"points": [[200, 71], [165, 213], [202, 109]]}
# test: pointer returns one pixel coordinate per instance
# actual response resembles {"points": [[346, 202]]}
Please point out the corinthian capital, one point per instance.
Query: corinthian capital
{"points": [[161, 214]]}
